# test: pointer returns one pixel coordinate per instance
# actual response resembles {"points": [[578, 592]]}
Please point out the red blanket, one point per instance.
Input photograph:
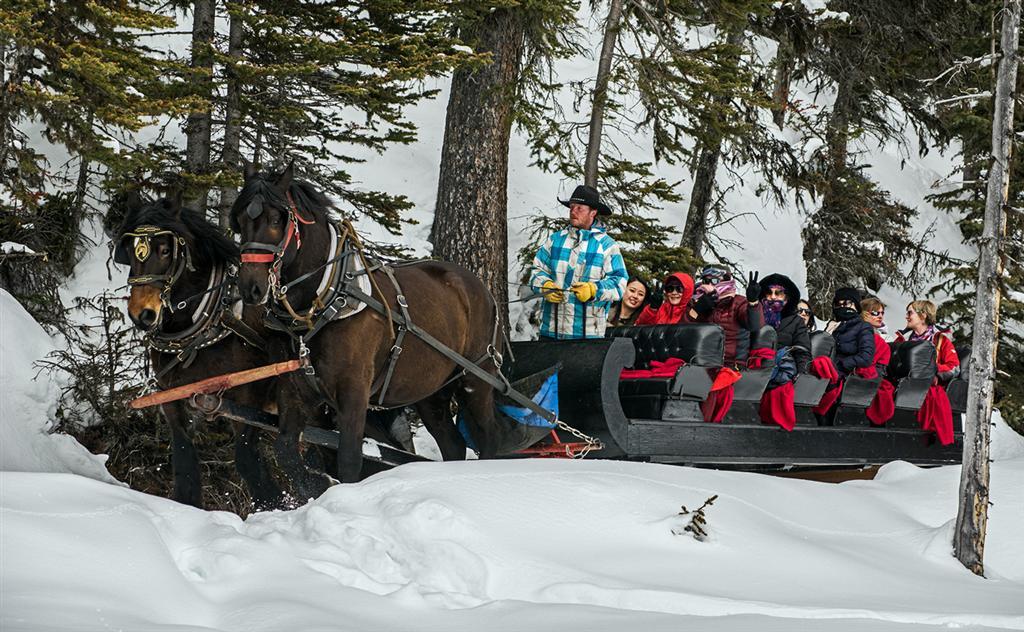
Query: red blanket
{"points": [[758, 357], [720, 398], [937, 415], [668, 368], [777, 406], [883, 406], [822, 367]]}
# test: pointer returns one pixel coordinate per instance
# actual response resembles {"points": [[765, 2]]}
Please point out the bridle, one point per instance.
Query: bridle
{"points": [[181, 259], [275, 253]]}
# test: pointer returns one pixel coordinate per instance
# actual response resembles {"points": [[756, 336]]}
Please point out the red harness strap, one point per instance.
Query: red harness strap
{"points": [[293, 231]]}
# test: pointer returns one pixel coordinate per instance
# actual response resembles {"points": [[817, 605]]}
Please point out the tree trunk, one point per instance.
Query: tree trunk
{"points": [[702, 195], [837, 146], [972, 517], [231, 158], [470, 219], [784, 61], [604, 68], [198, 126]]}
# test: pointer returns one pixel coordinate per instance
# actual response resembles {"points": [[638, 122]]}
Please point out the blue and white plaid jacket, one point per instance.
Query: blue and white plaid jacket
{"points": [[572, 256]]}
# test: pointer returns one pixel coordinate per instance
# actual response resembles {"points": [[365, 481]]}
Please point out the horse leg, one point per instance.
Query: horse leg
{"points": [[350, 420], [292, 417], [477, 400], [435, 411], [184, 461], [253, 468]]}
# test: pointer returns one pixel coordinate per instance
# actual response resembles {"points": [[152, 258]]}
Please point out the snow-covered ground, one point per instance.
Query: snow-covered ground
{"points": [[504, 545], [536, 544]]}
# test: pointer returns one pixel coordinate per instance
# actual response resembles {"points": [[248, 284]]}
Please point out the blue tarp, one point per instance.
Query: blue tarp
{"points": [[546, 397]]}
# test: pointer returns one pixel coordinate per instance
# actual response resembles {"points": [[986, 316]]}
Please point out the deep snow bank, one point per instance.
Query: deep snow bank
{"points": [[27, 403], [506, 545]]}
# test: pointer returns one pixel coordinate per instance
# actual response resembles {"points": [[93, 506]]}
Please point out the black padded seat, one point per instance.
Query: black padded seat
{"points": [[701, 346], [957, 387], [809, 389], [753, 382], [822, 344], [913, 369]]}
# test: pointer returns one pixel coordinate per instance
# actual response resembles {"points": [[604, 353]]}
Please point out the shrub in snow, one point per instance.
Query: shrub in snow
{"points": [[697, 524]]}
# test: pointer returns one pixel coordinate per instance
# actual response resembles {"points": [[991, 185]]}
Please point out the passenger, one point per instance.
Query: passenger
{"points": [[883, 406], [935, 413], [579, 270], [780, 299], [804, 311], [715, 301], [678, 288], [633, 303], [855, 339], [921, 325], [855, 343]]}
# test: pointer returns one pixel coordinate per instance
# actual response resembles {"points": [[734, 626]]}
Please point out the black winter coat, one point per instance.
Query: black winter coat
{"points": [[792, 332], [855, 345]]}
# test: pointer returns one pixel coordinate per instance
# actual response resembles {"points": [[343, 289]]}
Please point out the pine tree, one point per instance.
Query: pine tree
{"points": [[470, 218], [75, 79], [967, 111], [875, 57]]}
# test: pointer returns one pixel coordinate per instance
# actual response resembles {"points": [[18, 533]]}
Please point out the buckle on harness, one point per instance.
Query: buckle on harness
{"points": [[401, 300]]}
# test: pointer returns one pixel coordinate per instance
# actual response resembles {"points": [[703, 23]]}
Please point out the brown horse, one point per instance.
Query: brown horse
{"points": [[286, 235], [179, 289]]}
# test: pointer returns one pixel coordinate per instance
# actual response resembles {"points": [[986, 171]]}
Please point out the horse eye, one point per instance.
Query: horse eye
{"points": [[165, 251]]}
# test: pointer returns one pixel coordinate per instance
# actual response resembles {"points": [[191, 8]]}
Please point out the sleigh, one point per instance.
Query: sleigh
{"points": [[659, 419]]}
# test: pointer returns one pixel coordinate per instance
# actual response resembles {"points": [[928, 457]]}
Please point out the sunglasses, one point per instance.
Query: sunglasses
{"points": [[803, 310], [673, 289], [877, 313]]}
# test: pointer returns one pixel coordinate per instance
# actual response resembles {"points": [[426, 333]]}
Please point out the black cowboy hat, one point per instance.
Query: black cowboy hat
{"points": [[589, 196]]}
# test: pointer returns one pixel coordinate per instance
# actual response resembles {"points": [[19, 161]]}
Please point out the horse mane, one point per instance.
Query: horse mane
{"points": [[262, 189], [208, 243]]}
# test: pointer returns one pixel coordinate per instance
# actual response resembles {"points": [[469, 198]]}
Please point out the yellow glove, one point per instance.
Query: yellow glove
{"points": [[584, 291], [553, 293]]}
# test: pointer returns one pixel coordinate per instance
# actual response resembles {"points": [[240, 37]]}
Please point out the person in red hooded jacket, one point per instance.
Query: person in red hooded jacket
{"points": [[678, 288]]}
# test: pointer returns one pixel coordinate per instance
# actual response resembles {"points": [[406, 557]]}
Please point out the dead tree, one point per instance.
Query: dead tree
{"points": [[604, 71], [972, 517]]}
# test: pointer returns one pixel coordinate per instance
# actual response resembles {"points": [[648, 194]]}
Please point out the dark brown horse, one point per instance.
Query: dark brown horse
{"points": [[286, 234], [179, 288]]}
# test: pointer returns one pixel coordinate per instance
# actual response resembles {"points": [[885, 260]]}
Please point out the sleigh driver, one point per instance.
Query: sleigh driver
{"points": [[579, 271]]}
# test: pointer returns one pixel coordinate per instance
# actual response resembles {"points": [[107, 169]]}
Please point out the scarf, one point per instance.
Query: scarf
{"points": [[928, 334], [724, 289], [772, 311]]}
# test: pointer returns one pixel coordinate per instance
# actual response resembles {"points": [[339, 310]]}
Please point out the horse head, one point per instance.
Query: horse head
{"points": [[169, 251], [274, 214]]}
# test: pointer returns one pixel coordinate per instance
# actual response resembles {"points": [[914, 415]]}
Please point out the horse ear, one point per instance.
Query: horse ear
{"points": [[134, 200], [248, 169], [285, 180], [175, 199]]}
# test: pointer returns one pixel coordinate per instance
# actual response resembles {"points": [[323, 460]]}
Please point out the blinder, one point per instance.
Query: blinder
{"points": [[139, 242]]}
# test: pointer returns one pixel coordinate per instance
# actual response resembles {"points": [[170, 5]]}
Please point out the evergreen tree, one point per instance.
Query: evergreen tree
{"points": [[470, 218], [966, 109], [74, 79], [875, 56]]}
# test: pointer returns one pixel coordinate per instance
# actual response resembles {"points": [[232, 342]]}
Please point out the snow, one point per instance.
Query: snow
{"points": [[9, 247], [509, 544], [27, 403]]}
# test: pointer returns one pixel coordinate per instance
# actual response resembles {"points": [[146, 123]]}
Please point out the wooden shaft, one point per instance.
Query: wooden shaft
{"points": [[216, 384]]}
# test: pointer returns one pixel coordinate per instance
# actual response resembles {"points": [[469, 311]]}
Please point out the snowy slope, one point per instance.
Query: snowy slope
{"points": [[27, 403], [506, 545]]}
